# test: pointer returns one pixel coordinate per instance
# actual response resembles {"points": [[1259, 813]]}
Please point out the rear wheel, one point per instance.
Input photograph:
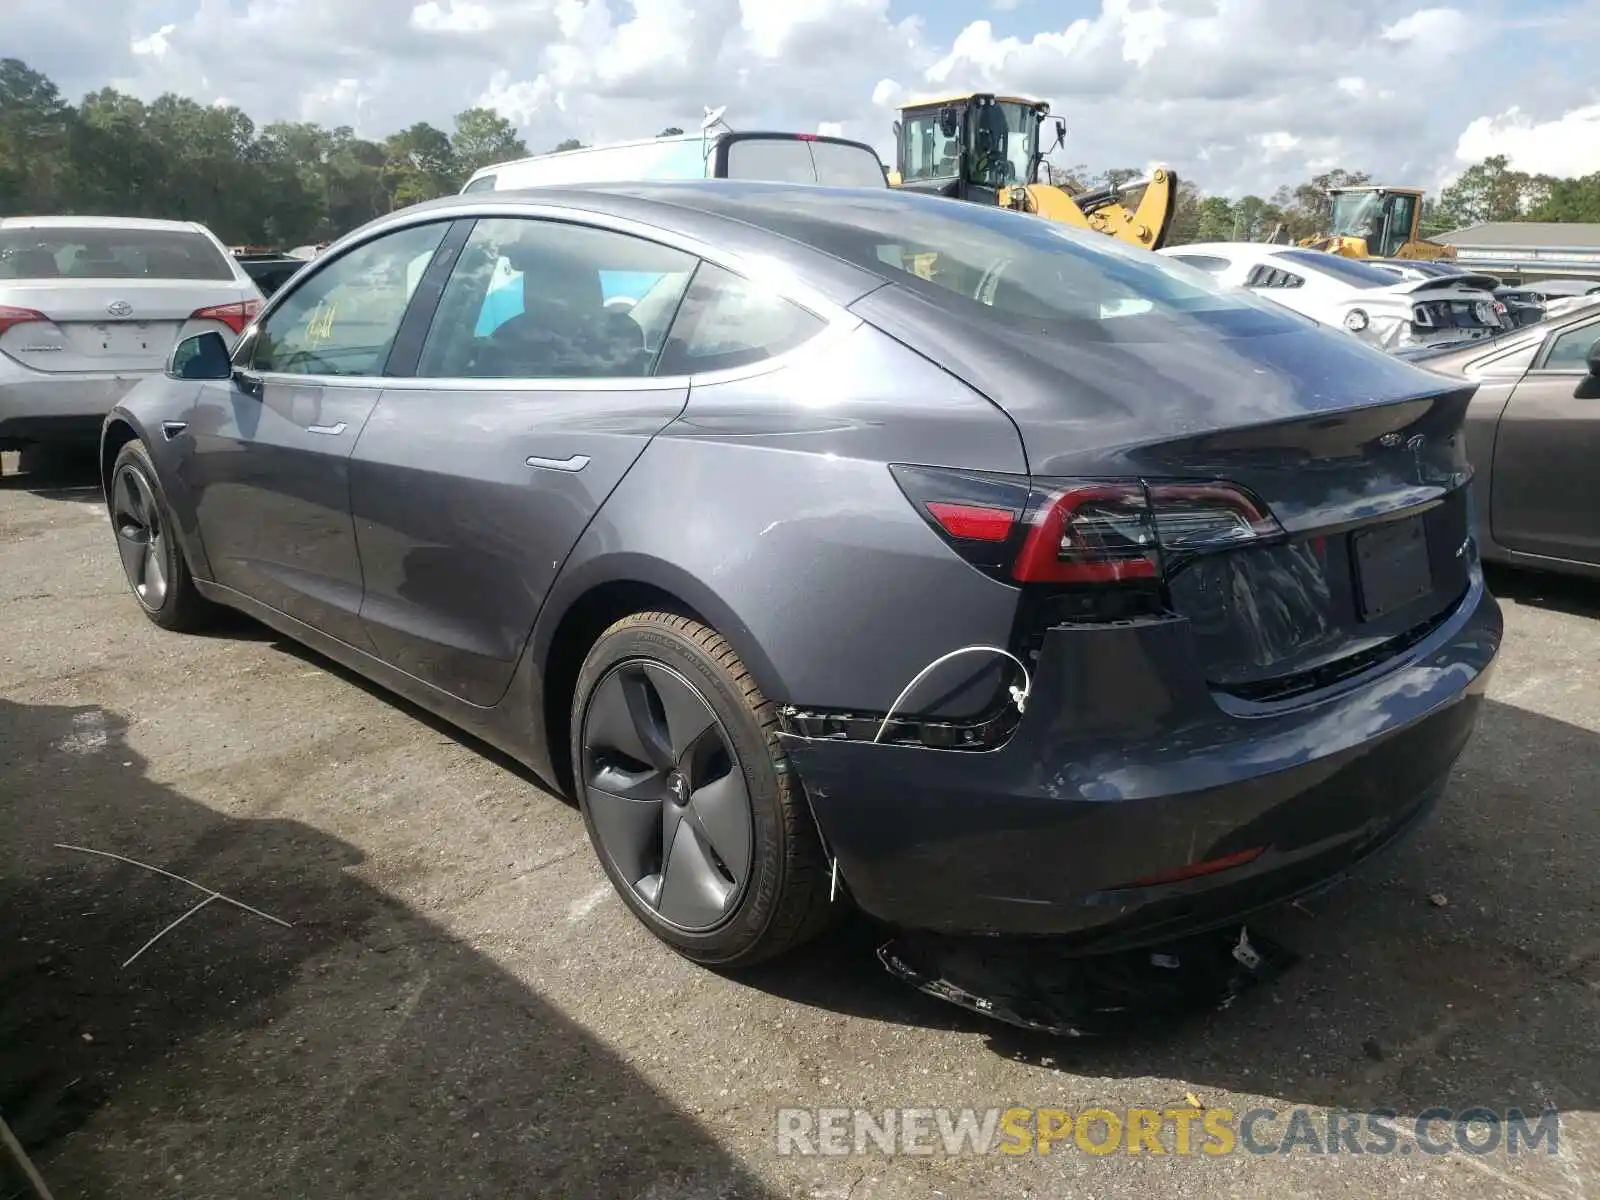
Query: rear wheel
{"points": [[152, 559], [679, 775]]}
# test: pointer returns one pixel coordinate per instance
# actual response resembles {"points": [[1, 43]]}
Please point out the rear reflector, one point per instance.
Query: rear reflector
{"points": [[235, 316], [10, 315], [1210, 866], [973, 521]]}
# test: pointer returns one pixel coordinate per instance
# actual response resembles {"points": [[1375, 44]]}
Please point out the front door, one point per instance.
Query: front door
{"points": [[269, 453], [1545, 489], [533, 394]]}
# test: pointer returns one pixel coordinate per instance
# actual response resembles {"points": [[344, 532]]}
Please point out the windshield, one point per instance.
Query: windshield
{"points": [[1357, 214], [1003, 137], [1345, 270], [1029, 275]]}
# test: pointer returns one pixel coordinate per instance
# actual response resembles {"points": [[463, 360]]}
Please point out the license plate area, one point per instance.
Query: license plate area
{"points": [[1392, 567]]}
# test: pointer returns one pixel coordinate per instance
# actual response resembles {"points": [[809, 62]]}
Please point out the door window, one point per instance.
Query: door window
{"points": [[1570, 350], [532, 299], [342, 320], [727, 322]]}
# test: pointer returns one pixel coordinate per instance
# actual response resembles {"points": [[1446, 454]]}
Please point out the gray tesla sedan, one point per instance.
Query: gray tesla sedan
{"points": [[836, 546]]}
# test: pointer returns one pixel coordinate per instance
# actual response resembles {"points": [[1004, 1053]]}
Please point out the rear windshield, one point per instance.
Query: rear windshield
{"points": [[799, 160], [1346, 270], [1017, 270], [91, 253]]}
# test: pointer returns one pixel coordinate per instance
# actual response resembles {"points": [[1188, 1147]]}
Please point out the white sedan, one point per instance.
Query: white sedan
{"points": [[1366, 300]]}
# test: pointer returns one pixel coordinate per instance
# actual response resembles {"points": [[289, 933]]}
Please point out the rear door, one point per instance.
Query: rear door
{"points": [[114, 300], [531, 398], [1545, 495], [269, 450]]}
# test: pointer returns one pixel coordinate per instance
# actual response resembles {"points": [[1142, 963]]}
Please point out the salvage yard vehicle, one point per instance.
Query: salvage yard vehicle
{"points": [[1375, 221], [1533, 436], [1516, 306], [1366, 300], [1210, 624], [710, 154], [90, 306], [987, 149]]}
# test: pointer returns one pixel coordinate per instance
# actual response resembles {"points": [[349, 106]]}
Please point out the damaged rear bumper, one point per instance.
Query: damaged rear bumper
{"points": [[1126, 767]]}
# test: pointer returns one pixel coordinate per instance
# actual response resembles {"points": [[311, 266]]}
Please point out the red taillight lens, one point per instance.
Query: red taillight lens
{"points": [[1081, 531], [11, 315], [235, 316], [1090, 533]]}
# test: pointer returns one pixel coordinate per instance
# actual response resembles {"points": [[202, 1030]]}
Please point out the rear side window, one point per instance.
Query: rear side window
{"points": [[531, 299], [802, 160], [1570, 351], [483, 183], [729, 322], [668, 158], [94, 253]]}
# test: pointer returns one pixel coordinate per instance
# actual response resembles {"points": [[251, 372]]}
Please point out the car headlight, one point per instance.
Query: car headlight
{"points": [[1356, 320]]}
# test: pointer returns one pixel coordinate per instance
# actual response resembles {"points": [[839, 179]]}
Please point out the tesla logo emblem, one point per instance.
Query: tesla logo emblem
{"points": [[680, 788], [119, 308]]}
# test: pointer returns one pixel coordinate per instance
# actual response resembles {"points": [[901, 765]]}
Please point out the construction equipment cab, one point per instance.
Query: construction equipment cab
{"points": [[1369, 221], [724, 154], [986, 149]]}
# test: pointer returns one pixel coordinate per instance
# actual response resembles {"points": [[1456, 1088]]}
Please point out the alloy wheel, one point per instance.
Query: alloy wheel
{"points": [[141, 537], [665, 794]]}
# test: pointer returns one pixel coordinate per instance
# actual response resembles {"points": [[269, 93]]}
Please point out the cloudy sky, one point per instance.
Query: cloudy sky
{"points": [[1238, 95]]}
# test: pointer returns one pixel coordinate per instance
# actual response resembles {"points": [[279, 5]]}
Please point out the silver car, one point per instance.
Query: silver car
{"points": [[90, 306]]}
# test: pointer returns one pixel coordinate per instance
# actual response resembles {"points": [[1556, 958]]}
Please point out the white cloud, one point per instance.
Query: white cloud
{"points": [[1238, 95], [1569, 145]]}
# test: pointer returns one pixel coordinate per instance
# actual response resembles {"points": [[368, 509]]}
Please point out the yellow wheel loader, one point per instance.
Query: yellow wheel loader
{"points": [[985, 149], [1370, 221]]}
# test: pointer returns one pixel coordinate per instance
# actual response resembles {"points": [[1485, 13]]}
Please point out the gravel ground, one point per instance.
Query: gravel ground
{"points": [[460, 1007]]}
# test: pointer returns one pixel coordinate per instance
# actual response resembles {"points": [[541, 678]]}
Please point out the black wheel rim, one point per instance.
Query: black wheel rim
{"points": [[141, 537], [665, 795]]}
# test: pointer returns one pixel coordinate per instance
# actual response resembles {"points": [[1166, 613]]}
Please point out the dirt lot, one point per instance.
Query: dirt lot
{"points": [[460, 1007]]}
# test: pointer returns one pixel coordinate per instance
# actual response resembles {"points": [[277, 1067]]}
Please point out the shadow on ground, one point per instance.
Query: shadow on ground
{"points": [[361, 1052], [1490, 999], [54, 474], [1543, 589]]}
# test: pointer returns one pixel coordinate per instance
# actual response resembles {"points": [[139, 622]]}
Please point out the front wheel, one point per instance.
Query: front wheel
{"points": [[680, 779], [147, 542]]}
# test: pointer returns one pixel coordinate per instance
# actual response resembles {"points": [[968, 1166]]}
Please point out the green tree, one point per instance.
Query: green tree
{"points": [[35, 139], [419, 164], [1492, 191], [1214, 219], [483, 137], [568, 144], [1570, 200], [670, 131]]}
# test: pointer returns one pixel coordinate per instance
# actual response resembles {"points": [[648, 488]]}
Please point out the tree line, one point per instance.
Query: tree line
{"points": [[288, 183]]}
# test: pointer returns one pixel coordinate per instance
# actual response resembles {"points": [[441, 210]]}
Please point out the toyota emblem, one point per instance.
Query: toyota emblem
{"points": [[119, 308]]}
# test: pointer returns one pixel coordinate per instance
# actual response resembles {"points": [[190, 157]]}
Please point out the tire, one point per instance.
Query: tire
{"points": [[141, 516], [771, 903]]}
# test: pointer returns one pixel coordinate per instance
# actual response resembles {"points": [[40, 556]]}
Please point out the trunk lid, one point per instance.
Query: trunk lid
{"points": [[109, 324], [1357, 456]]}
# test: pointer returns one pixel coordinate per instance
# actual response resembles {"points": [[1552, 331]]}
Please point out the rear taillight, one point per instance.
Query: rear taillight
{"points": [[1082, 531], [235, 316], [11, 315]]}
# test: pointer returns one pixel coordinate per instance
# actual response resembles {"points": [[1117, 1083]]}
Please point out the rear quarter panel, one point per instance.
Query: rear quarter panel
{"points": [[769, 507]]}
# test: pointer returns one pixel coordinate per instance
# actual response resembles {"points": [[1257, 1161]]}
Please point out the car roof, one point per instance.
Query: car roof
{"points": [[735, 214], [152, 223]]}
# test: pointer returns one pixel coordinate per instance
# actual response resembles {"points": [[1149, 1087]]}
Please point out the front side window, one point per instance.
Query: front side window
{"points": [[1570, 350], [483, 183], [1002, 143], [728, 322], [532, 299], [342, 320], [925, 152]]}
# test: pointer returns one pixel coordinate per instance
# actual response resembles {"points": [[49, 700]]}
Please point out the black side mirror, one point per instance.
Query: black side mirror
{"points": [[1061, 134], [203, 356], [950, 121], [1594, 358]]}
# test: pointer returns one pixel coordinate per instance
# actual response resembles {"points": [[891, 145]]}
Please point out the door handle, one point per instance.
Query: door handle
{"points": [[576, 463], [330, 430]]}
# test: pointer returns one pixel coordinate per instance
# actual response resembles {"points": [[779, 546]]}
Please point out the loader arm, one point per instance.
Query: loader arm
{"points": [[1147, 224]]}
